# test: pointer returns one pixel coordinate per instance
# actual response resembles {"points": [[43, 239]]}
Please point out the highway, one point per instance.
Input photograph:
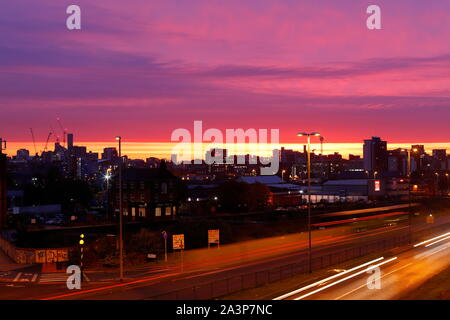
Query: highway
{"points": [[399, 274], [203, 266]]}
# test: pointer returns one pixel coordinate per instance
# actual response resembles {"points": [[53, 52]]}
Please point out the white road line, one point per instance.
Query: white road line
{"points": [[17, 277], [53, 277], [34, 277], [365, 285]]}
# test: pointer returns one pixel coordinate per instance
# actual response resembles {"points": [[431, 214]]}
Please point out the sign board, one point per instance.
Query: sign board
{"points": [[377, 185], [164, 235], [52, 256], [213, 236], [178, 241]]}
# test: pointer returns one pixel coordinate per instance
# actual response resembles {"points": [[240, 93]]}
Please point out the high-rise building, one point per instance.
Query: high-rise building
{"points": [[440, 154], [69, 141], [375, 155], [109, 154], [22, 154], [2, 188]]}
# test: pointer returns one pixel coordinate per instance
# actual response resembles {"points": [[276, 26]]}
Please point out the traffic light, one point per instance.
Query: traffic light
{"points": [[81, 242]]}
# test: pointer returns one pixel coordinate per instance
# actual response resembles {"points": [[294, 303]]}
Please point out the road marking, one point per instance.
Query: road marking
{"points": [[365, 285], [85, 277], [344, 279], [53, 277], [34, 277], [17, 277]]}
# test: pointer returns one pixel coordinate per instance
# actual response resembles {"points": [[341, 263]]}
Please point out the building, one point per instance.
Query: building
{"points": [[3, 207], [375, 156], [69, 141], [148, 193], [22, 154]]}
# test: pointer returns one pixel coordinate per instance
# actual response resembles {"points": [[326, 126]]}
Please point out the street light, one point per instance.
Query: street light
{"points": [[409, 151], [119, 140], [308, 136], [282, 175]]}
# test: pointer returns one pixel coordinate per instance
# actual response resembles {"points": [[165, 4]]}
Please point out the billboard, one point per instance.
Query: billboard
{"points": [[178, 241], [213, 236], [377, 185]]}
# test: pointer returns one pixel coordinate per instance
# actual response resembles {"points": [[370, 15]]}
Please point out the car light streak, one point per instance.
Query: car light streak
{"points": [[344, 279], [326, 279], [437, 241], [432, 239]]}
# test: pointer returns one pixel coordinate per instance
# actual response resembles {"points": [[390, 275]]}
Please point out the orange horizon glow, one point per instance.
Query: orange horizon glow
{"points": [[163, 150]]}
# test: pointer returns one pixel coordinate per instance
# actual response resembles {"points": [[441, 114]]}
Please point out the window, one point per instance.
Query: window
{"points": [[168, 213], [174, 210], [158, 212], [163, 188], [125, 212], [133, 212], [141, 212]]}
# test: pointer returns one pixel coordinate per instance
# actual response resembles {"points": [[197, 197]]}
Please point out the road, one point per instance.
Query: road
{"points": [[399, 275], [204, 266]]}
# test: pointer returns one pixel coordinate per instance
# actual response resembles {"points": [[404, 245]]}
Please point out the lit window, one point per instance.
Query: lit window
{"points": [[133, 212], [141, 212], [168, 213], [158, 212], [174, 210]]}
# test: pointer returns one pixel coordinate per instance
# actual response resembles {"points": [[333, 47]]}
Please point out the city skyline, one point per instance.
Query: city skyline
{"points": [[142, 150]]}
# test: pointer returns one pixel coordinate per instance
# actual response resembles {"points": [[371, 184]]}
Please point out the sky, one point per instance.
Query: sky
{"points": [[141, 69]]}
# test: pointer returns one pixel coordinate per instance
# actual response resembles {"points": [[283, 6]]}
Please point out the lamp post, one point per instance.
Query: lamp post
{"points": [[119, 140], [409, 151], [308, 136], [282, 175]]}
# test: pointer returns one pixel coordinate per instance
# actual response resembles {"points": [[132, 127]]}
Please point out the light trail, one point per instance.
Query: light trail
{"points": [[437, 241], [432, 239], [107, 287], [345, 279], [284, 296]]}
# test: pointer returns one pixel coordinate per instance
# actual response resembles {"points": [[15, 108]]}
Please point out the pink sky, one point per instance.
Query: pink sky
{"points": [[143, 69]]}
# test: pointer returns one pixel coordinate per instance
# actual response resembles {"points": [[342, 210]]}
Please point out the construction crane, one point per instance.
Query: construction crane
{"points": [[63, 130], [54, 133], [34, 141], [46, 143]]}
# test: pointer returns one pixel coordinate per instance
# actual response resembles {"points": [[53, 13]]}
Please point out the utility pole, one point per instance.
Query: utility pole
{"points": [[308, 135], [119, 139], [81, 242]]}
